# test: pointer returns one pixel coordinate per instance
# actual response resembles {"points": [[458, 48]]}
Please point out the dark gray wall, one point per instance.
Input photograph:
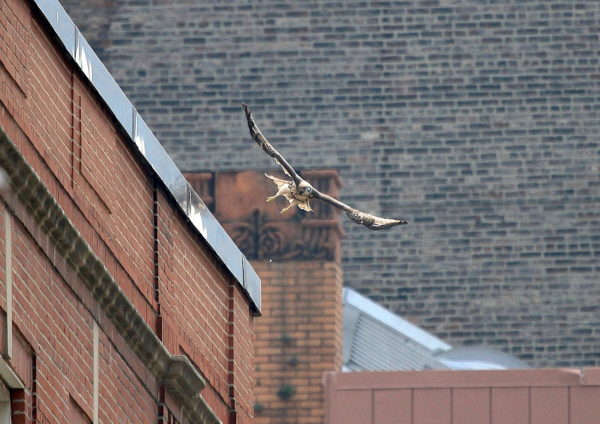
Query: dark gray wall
{"points": [[476, 120]]}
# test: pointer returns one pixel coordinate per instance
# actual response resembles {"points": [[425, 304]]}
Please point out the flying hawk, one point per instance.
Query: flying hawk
{"points": [[298, 191]]}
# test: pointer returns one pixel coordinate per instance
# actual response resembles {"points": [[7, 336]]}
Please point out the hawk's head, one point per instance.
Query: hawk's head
{"points": [[304, 189]]}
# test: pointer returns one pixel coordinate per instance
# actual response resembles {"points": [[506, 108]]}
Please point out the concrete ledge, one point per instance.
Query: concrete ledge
{"points": [[7, 374], [177, 373]]}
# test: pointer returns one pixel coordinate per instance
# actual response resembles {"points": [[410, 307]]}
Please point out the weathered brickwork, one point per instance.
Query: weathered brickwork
{"points": [[112, 307], [476, 120], [298, 338], [58, 328]]}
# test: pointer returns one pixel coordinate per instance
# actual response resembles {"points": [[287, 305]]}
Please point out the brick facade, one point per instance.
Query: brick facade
{"points": [[299, 335], [113, 308], [476, 120], [298, 340]]}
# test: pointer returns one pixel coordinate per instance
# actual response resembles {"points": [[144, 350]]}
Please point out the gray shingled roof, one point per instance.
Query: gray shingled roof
{"points": [[375, 339]]}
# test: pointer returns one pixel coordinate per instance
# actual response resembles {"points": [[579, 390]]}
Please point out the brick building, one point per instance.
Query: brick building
{"points": [[476, 120], [121, 297], [297, 255]]}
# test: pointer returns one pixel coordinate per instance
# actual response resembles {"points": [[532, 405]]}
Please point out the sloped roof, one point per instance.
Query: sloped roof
{"points": [[375, 339]]}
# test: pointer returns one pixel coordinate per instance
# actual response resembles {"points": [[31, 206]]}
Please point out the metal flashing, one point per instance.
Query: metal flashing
{"points": [[150, 148], [60, 21]]}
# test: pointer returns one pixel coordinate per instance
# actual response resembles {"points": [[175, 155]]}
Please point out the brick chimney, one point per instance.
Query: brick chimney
{"points": [[297, 256]]}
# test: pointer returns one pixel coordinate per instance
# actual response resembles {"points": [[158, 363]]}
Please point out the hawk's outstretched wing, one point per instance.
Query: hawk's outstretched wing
{"points": [[268, 148], [372, 222], [303, 191]]}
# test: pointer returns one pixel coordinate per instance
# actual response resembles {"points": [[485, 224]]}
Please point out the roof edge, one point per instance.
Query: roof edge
{"points": [[146, 143]]}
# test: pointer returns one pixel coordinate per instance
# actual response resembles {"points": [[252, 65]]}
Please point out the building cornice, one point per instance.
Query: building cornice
{"points": [[177, 373]]}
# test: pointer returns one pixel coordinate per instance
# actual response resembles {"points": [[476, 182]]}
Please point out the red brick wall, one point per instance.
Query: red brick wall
{"points": [[183, 293], [204, 314], [194, 300], [296, 255], [52, 322], [51, 116], [298, 338], [243, 360]]}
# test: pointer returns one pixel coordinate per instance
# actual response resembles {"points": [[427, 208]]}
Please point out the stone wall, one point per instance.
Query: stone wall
{"points": [[475, 120]]}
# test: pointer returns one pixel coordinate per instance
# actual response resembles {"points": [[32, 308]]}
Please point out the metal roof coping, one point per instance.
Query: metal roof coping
{"points": [[150, 148]]}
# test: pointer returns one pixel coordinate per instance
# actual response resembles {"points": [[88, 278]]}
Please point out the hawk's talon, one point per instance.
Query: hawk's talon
{"points": [[284, 210]]}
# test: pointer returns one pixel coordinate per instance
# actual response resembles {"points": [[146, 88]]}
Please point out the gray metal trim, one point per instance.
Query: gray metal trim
{"points": [[151, 149]]}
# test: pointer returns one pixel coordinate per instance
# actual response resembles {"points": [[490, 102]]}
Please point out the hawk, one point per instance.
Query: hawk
{"points": [[299, 192]]}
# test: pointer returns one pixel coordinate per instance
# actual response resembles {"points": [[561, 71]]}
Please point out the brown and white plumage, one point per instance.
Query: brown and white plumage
{"points": [[298, 191], [287, 189]]}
